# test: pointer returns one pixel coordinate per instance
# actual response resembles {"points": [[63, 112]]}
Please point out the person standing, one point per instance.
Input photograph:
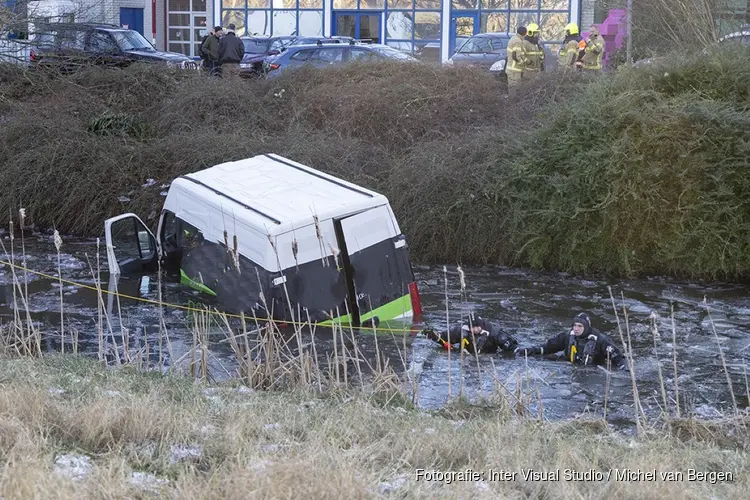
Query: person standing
{"points": [[568, 53], [592, 52], [533, 53], [516, 61], [231, 52], [210, 51]]}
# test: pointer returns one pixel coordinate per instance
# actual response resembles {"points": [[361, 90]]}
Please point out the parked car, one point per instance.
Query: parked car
{"points": [[263, 233], [742, 36], [307, 40], [67, 46], [739, 37], [257, 48], [331, 54], [490, 51]]}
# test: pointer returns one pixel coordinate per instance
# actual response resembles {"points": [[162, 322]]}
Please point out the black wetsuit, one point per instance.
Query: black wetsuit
{"points": [[491, 340], [591, 347]]}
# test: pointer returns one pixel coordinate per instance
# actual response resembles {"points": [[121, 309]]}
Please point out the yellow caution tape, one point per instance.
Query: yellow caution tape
{"points": [[175, 306]]}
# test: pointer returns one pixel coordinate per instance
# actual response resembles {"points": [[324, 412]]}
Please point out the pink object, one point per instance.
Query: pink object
{"points": [[614, 30]]}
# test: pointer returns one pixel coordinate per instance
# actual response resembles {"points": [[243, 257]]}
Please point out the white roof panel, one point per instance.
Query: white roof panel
{"points": [[284, 190]]}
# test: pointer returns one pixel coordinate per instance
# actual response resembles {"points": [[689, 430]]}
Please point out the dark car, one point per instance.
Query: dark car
{"points": [[67, 46], [257, 48], [490, 51], [331, 54]]}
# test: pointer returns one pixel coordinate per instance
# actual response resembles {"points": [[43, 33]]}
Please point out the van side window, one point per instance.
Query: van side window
{"points": [[189, 236], [176, 234], [168, 234]]}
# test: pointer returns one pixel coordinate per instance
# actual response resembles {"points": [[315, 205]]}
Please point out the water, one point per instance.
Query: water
{"points": [[531, 305]]}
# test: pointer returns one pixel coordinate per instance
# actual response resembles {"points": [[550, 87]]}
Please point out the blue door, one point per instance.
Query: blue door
{"points": [[131, 19], [463, 26], [357, 24]]}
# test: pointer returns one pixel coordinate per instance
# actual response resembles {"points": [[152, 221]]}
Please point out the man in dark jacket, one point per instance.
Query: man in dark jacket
{"points": [[475, 335], [582, 345], [231, 52], [210, 51]]}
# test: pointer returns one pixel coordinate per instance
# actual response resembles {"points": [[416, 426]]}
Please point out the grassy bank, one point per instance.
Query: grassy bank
{"points": [[639, 172], [70, 428]]}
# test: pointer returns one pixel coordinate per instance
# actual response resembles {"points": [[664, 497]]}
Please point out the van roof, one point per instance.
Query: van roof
{"points": [[275, 194]]}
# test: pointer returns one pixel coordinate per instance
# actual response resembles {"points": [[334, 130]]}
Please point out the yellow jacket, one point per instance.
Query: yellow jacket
{"points": [[593, 53], [534, 55], [568, 53], [515, 47]]}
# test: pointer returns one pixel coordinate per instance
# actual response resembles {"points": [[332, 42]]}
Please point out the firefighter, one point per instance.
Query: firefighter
{"points": [[568, 53], [532, 52], [516, 61], [591, 52]]}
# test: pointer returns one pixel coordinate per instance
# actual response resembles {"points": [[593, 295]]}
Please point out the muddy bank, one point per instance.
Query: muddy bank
{"points": [[638, 173]]}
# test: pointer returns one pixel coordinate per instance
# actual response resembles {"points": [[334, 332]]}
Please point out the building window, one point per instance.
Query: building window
{"points": [[507, 15], [417, 30], [186, 26], [273, 17]]}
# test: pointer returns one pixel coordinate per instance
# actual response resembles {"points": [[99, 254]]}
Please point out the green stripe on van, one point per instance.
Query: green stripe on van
{"points": [[186, 280], [386, 312]]}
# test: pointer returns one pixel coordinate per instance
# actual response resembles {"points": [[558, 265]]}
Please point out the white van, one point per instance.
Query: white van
{"points": [[268, 225]]}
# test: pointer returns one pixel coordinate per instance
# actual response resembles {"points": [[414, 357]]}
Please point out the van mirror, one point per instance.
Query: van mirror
{"points": [[146, 243]]}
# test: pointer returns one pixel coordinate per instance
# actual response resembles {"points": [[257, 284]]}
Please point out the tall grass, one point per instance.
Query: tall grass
{"points": [[637, 172], [283, 444]]}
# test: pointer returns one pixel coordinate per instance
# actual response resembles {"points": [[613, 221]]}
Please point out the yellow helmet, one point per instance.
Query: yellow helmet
{"points": [[532, 28], [572, 28]]}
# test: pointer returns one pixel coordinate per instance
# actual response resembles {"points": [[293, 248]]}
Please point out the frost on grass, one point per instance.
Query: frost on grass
{"points": [[208, 430], [73, 466], [392, 486], [185, 452], [148, 482], [270, 427], [260, 466]]}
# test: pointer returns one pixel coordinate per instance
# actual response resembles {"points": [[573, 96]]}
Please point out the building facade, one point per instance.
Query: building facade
{"points": [[415, 26], [135, 14], [409, 25]]}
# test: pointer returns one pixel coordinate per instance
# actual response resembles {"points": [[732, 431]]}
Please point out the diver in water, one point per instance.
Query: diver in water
{"points": [[475, 334], [582, 345]]}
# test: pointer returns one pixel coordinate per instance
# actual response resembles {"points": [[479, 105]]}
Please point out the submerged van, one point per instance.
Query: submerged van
{"points": [[268, 230]]}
